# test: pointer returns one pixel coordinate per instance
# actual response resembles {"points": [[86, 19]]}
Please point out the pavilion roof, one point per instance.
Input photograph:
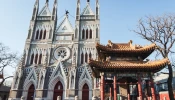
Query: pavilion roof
{"points": [[125, 47], [152, 66]]}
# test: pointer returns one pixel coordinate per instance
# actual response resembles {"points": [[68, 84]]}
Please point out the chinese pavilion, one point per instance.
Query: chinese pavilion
{"points": [[125, 72]]}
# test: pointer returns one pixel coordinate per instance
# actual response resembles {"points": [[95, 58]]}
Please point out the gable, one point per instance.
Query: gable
{"points": [[87, 10], [85, 74], [58, 71], [45, 11], [65, 27]]}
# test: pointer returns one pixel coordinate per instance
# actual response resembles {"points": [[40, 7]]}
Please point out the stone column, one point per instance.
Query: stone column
{"points": [[102, 87], [152, 89], [140, 87], [115, 88], [58, 98]]}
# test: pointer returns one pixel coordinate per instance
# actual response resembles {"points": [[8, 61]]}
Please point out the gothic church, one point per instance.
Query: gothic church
{"points": [[56, 55]]}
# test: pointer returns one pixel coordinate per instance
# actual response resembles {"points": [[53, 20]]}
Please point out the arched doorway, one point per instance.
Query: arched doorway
{"points": [[31, 92], [58, 91], [85, 92]]}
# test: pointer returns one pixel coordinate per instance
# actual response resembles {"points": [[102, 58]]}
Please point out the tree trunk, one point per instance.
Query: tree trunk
{"points": [[170, 89], [1, 84]]}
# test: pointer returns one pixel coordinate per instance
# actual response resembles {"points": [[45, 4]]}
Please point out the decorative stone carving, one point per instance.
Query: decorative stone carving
{"points": [[108, 59], [110, 44]]}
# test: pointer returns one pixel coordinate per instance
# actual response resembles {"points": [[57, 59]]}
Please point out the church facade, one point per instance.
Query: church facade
{"points": [[56, 55]]}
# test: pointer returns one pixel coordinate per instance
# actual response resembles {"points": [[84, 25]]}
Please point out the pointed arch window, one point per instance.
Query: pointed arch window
{"points": [[16, 80], [90, 34], [28, 37], [97, 10], [76, 33], [31, 60], [36, 58], [53, 11], [44, 37], [86, 57], [83, 34], [87, 33], [78, 10], [40, 58], [41, 82], [90, 55], [34, 11], [82, 58], [96, 32], [41, 34], [72, 81], [37, 34], [50, 34]]}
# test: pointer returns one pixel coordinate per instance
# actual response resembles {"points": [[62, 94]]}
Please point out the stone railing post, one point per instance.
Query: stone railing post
{"points": [[94, 98], [58, 97], [76, 97], [22, 98]]}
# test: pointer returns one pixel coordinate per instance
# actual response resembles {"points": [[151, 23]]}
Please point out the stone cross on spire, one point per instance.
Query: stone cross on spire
{"points": [[47, 1], [67, 12]]}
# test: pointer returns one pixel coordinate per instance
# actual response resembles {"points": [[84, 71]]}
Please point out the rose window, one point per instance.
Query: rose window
{"points": [[62, 53]]}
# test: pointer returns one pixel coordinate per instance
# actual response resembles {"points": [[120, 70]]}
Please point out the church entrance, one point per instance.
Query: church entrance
{"points": [[31, 92], [85, 92], [58, 91]]}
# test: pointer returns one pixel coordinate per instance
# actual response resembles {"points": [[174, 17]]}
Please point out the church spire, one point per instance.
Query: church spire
{"points": [[54, 12], [78, 10], [97, 9], [35, 9]]}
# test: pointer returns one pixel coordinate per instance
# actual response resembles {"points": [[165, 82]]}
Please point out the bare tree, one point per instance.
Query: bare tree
{"points": [[160, 30], [7, 59]]}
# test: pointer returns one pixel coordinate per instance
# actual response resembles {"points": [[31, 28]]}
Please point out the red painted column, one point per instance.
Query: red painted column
{"points": [[128, 96], [148, 98], [102, 87], [140, 87], [152, 89], [111, 93], [115, 88]]}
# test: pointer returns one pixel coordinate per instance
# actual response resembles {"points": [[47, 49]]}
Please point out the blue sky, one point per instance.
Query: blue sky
{"points": [[117, 18]]}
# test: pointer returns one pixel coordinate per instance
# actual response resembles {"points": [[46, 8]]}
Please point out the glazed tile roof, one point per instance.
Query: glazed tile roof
{"points": [[125, 47], [136, 65]]}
